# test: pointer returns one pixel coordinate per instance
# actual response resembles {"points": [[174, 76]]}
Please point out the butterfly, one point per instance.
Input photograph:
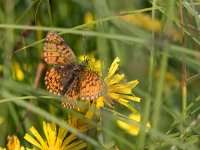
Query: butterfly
{"points": [[67, 76]]}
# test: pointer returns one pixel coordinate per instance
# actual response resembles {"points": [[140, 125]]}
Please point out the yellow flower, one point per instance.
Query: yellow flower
{"points": [[14, 144], [88, 18], [132, 128], [117, 89], [54, 140], [17, 72], [78, 123], [144, 21]]}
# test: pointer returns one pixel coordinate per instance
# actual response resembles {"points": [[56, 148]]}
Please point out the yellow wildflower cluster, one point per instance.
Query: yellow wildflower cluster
{"points": [[144, 21], [55, 140], [13, 144], [117, 89]]}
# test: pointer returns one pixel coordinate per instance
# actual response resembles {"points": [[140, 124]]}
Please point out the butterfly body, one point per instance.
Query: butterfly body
{"points": [[66, 76]]}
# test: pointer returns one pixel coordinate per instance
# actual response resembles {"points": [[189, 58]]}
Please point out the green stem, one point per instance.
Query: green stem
{"points": [[159, 90], [49, 13], [184, 93], [147, 106]]}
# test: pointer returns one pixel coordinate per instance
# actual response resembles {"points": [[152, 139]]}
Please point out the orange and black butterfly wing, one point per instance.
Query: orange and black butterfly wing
{"points": [[72, 95], [52, 81], [61, 80], [91, 86], [67, 78], [56, 51]]}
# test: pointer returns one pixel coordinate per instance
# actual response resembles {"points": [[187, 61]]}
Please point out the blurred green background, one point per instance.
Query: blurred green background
{"points": [[146, 36]]}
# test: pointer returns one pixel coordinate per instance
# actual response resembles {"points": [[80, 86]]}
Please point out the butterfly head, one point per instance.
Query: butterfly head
{"points": [[85, 63]]}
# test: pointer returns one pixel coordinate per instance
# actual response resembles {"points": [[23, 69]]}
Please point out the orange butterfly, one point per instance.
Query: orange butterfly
{"points": [[66, 76]]}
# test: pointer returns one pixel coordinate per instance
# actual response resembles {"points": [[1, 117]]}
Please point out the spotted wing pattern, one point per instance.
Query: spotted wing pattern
{"points": [[67, 77], [52, 81], [91, 86], [71, 95], [56, 50], [63, 80]]}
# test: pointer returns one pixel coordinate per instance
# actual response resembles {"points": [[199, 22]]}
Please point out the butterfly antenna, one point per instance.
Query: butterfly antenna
{"points": [[85, 59], [83, 47], [84, 55]]}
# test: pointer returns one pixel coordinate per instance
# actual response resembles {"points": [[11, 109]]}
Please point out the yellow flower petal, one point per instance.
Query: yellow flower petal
{"points": [[132, 128], [115, 79], [120, 89], [121, 100], [69, 139], [137, 117], [39, 138], [13, 143], [114, 67], [17, 72], [33, 141], [107, 102], [128, 106], [133, 83], [61, 135], [130, 98], [45, 130], [76, 145], [100, 102], [51, 128], [136, 99], [113, 95], [55, 141]]}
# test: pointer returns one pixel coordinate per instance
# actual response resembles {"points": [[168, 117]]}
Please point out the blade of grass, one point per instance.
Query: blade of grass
{"points": [[147, 106], [159, 90]]}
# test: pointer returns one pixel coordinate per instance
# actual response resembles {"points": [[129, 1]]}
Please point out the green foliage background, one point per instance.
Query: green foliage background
{"points": [[154, 58]]}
